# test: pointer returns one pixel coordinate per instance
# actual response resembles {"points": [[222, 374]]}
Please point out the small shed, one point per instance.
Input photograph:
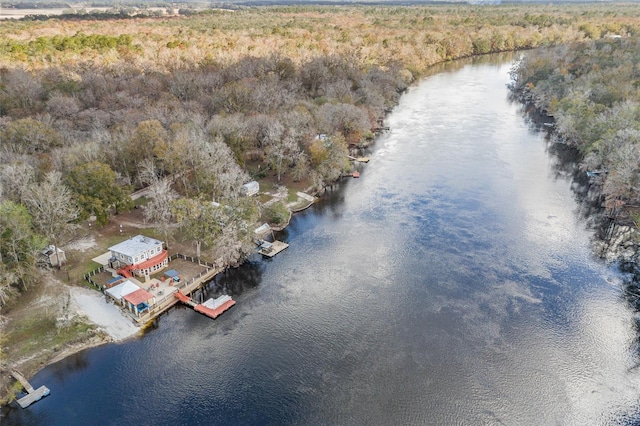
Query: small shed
{"points": [[50, 255], [263, 229], [266, 247], [251, 188]]}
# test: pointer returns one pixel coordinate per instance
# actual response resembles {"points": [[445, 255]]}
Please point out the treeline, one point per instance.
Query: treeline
{"points": [[83, 16], [591, 90], [78, 41], [195, 107], [417, 37]]}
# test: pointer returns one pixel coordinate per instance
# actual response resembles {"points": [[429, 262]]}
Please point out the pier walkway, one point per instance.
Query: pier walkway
{"points": [[33, 395]]}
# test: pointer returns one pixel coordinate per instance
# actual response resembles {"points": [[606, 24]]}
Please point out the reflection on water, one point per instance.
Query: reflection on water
{"points": [[453, 283]]}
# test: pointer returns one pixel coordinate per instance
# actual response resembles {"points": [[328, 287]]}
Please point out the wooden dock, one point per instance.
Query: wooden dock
{"points": [[212, 308], [33, 395], [273, 248]]}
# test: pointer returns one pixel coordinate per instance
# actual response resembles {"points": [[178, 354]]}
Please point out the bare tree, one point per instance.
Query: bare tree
{"points": [[282, 152], [158, 209], [22, 89], [15, 179], [199, 220], [348, 120], [52, 208]]}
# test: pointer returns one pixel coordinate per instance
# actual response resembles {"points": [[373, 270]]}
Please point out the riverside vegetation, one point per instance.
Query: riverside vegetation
{"points": [[591, 89], [193, 107]]}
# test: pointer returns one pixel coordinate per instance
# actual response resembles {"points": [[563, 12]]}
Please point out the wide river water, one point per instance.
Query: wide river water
{"points": [[453, 283]]}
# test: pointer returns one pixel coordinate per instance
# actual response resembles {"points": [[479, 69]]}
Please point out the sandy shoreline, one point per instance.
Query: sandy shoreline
{"points": [[107, 316], [115, 327], [111, 326]]}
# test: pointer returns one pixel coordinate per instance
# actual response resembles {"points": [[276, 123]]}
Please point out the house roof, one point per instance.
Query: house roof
{"points": [[51, 250], [135, 245], [138, 296], [266, 245], [121, 290], [155, 260]]}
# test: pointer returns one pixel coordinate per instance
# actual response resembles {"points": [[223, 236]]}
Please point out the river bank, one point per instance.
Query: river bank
{"points": [[615, 240], [454, 282]]}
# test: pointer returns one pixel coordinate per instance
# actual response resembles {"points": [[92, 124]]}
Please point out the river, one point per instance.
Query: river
{"points": [[453, 283]]}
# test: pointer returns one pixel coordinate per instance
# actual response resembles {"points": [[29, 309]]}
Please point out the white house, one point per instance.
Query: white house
{"points": [[139, 255]]}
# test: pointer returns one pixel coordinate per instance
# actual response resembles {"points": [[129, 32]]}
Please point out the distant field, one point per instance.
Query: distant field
{"points": [[6, 13]]}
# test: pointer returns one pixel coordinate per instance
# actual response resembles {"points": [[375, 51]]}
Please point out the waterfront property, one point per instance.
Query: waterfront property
{"points": [[186, 274], [140, 256], [136, 299], [119, 291]]}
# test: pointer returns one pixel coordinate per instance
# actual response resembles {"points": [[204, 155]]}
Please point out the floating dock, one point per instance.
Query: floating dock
{"points": [[212, 308], [33, 395], [215, 307], [271, 249]]}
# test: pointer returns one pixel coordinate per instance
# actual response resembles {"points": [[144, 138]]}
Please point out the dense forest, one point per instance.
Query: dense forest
{"points": [[591, 89], [193, 107]]}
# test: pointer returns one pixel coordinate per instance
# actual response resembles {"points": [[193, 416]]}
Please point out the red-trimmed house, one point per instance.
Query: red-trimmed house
{"points": [[140, 256], [136, 299], [139, 301]]}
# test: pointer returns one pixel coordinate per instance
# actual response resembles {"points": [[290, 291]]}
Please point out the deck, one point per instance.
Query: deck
{"points": [[275, 248], [168, 299], [32, 397]]}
